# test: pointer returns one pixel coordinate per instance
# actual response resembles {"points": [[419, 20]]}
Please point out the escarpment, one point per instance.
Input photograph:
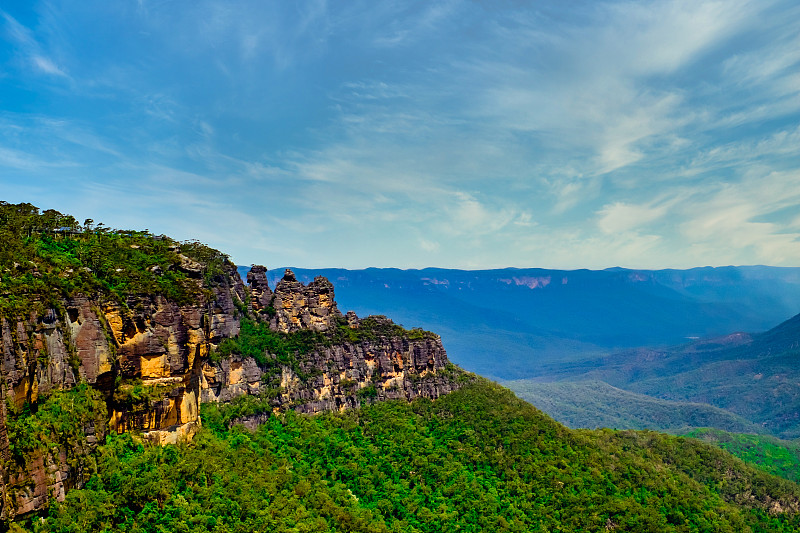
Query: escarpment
{"points": [[141, 356], [120, 331], [146, 361], [343, 362]]}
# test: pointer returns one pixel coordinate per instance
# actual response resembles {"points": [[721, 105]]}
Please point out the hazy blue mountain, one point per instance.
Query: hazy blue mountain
{"points": [[754, 376], [595, 404], [516, 323]]}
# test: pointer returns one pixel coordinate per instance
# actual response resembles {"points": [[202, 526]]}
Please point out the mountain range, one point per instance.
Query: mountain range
{"points": [[513, 323], [755, 376], [666, 349]]}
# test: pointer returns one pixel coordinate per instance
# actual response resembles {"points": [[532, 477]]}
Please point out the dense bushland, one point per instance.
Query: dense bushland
{"points": [[773, 455], [478, 459]]}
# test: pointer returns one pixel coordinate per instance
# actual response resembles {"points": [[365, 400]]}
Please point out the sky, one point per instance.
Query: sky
{"points": [[457, 134]]}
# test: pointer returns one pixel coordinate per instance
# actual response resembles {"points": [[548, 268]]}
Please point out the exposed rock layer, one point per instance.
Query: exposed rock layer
{"points": [[155, 345], [149, 342], [297, 306], [342, 376]]}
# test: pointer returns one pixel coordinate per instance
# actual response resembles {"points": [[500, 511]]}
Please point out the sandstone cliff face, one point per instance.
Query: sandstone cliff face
{"points": [[297, 306], [148, 361], [150, 343], [341, 376]]}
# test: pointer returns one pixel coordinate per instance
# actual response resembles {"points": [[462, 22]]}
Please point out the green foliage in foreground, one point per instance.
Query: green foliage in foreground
{"points": [[478, 459], [773, 455], [59, 421]]}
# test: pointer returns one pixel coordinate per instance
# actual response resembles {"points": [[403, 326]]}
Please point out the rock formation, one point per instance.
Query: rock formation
{"points": [[299, 306], [387, 364], [147, 342], [341, 376], [147, 359], [259, 288]]}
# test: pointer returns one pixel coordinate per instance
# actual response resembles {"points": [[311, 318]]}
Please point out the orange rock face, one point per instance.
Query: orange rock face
{"points": [[148, 357], [148, 342]]}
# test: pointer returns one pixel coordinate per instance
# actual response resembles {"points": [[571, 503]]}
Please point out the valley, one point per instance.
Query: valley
{"points": [[664, 350]]}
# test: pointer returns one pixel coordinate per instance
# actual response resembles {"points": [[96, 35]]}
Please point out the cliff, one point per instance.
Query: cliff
{"points": [[143, 356], [347, 363], [130, 332]]}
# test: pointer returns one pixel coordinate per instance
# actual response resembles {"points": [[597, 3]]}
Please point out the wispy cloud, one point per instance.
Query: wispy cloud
{"points": [[449, 133], [29, 48], [620, 217]]}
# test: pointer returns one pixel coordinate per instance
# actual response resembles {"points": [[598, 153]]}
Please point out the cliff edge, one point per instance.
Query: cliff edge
{"points": [[109, 330]]}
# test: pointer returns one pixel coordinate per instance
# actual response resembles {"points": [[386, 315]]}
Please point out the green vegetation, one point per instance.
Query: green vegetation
{"points": [[367, 392], [275, 349], [269, 347], [776, 456], [135, 394], [755, 377], [374, 328], [219, 416], [763, 389], [594, 404], [47, 256], [478, 459], [58, 421]]}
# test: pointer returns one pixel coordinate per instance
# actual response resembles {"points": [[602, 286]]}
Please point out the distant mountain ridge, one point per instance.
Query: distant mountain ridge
{"points": [[511, 323], [755, 376]]}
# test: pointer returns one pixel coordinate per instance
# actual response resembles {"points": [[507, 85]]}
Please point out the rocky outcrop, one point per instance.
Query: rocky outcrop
{"points": [[297, 306], [260, 293], [147, 361], [339, 377], [387, 364]]}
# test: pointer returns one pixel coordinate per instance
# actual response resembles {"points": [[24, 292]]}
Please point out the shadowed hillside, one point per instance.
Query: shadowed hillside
{"points": [[754, 376]]}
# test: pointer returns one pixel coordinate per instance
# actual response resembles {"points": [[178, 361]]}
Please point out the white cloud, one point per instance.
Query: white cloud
{"points": [[408, 26], [740, 153], [727, 223], [620, 217], [429, 246], [637, 133], [29, 47], [19, 160], [47, 66], [468, 216]]}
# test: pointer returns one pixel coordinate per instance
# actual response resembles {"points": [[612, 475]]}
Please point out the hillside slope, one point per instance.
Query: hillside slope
{"points": [[477, 459], [755, 376], [772, 455], [595, 404]]}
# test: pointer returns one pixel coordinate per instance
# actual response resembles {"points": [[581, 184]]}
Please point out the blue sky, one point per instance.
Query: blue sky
{"points": [[465, 134]]}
